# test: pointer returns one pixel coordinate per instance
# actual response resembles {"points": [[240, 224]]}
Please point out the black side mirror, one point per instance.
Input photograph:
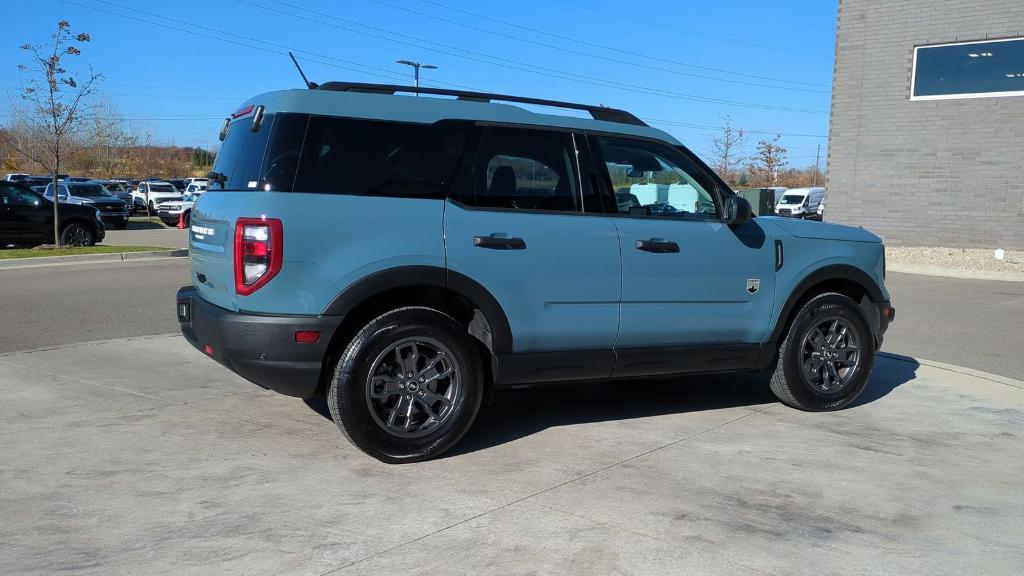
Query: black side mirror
{"points": [[737, 210]]}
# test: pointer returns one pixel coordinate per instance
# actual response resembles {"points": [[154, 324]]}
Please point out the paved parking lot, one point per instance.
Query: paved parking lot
{"points": [[113, 465], [146, 233]]}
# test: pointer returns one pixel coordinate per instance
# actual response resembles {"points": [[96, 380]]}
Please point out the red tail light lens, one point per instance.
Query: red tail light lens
{"points": [[259, 252]]}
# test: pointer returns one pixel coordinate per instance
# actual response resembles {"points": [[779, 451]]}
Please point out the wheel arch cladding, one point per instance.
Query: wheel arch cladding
{"points": [[840, 278], [450, 292]]}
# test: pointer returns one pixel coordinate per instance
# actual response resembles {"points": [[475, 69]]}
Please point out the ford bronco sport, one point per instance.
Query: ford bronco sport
{"points": [[403, 255]]}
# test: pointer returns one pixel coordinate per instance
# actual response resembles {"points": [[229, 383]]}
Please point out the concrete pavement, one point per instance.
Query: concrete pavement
{"points": [[180, 467]]}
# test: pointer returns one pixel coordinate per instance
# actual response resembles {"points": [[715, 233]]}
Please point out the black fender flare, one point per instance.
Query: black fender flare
{"points": [[830, 272], [409, 276]]}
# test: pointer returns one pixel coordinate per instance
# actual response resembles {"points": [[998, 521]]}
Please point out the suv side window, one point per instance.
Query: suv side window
{"points": [[376, 158], [525, 169], [15, 196], [649, 179]]}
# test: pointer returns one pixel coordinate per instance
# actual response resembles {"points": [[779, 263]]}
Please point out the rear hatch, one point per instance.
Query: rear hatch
{"points": [[239, 168]]}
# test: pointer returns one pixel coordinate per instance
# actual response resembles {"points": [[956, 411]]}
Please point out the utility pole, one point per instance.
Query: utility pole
{"points": [[817, 158], [416, 67]]}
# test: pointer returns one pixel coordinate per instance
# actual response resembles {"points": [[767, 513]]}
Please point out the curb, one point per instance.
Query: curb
{"points": [[38, 261], [935, 270], [958, 369]]}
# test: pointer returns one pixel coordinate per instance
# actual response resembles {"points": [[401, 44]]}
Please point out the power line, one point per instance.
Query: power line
{"points": [[716, 128], [664, 25], [583, 53], [253, 43], [361, 28]]}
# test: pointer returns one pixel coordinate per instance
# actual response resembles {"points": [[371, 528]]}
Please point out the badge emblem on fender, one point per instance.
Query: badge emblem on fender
{"points": [[753, 285]]}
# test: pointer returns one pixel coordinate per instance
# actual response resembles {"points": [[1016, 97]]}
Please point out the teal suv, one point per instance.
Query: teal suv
{"points": [[405, 255]]}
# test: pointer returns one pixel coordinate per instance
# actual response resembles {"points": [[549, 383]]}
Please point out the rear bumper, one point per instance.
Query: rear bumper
{"points": [[259, 348]]}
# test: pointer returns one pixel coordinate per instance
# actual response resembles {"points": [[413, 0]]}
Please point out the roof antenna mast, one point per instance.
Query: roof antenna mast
{"points": [[310, 85]]}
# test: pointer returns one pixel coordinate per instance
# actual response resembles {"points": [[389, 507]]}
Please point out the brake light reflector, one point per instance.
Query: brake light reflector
{"points": [[307, 336], [259, 252]]}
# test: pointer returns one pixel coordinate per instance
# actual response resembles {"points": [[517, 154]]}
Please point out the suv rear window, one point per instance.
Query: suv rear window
{"points": [[333, 155]]}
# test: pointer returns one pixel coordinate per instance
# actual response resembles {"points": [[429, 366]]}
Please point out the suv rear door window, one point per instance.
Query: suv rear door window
{"points": [[375, 158], [525, 169]]}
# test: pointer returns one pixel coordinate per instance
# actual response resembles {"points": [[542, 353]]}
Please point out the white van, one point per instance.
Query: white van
{"points": [[800, 203]]}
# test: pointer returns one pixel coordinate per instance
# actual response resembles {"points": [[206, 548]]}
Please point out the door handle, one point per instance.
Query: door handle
{"points": [[494, 242], [657, 246]]}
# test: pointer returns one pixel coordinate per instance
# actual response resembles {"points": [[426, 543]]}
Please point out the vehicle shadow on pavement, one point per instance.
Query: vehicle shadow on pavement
{"points": [[515, 414], [890, 371]]}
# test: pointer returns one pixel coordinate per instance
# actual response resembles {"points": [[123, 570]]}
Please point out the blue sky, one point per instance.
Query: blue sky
{"points": [[683, 65]]}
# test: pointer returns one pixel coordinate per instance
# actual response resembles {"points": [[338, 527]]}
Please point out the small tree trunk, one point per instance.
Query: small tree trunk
{"points": [[56, 201]]}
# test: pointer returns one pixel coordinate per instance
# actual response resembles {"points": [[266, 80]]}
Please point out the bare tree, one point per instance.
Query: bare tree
{"points": [[768, 161], [728, 147], [56, 102]]}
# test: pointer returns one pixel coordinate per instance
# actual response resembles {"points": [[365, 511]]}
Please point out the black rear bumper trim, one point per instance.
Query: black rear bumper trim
{"points": [[260, 348]]}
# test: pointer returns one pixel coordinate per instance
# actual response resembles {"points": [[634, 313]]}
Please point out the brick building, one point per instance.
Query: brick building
{"points": [[926, 143]]}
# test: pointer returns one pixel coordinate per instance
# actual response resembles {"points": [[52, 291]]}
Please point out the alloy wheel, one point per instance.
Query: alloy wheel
{"points": [[414, 386], [830, 355]]}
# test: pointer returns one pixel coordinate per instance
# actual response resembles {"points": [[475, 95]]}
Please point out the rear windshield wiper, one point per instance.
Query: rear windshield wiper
{"points": [[218, 178]]}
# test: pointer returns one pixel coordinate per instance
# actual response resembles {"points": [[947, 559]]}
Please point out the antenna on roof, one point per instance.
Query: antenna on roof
{"points": [[310, 85]]}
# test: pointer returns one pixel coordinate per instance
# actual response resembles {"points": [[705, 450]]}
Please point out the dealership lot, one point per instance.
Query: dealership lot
{"points": [[137, 454], [174, 465]]}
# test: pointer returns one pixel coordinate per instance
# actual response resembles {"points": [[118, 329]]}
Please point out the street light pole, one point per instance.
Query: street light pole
{"points": [[416, 70]]}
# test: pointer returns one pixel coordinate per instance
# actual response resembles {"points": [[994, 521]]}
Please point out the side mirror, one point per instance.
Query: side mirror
{"points": [[737, 210]]}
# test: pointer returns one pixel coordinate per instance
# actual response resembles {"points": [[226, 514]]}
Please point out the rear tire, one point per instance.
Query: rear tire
{"points": [[408, 386], [826, 358]]}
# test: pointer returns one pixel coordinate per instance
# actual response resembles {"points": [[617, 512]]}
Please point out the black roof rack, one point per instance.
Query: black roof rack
{"points": [[596, 112]]}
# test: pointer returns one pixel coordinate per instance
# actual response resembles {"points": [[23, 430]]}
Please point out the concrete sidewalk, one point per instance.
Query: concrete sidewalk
{"points": [[111, 466]]}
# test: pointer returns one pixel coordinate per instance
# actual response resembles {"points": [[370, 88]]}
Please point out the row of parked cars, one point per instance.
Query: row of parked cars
{"points": [[106, 203]]}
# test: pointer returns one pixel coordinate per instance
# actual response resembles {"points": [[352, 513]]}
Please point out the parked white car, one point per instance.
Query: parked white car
{"points": [[178, 210], [800, 202], [154, 192]]}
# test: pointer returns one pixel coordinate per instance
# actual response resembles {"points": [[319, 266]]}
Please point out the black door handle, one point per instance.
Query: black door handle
{"points": [[657, 246], [499, 242]]}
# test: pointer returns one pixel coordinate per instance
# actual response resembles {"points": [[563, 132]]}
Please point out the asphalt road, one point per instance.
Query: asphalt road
{"points": [[973, 323], [977, 324], [57, 305]]}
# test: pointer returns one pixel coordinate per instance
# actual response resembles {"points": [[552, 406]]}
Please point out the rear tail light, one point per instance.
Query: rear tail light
{"points": [[259, 247]]}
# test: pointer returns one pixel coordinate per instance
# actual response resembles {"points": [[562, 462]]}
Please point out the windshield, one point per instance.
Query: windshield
{"points": [[89, 191], [161, 188], [792, 199], [192, 197]]}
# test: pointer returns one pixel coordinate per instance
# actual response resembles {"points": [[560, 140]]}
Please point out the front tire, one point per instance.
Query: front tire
{"points": [[826, 357], [77, 234], [408, 386]]}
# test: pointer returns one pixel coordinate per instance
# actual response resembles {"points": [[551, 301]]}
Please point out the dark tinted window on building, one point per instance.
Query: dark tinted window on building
{"points": [[964, 70], [374, 158]]}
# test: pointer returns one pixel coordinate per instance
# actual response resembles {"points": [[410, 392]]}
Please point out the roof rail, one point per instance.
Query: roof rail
{"points": [[596, 112]]}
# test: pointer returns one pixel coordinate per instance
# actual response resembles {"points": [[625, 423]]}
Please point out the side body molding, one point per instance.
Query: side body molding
{"points": [[432, 276]]}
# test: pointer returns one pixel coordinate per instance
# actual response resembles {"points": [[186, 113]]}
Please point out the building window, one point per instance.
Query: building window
{"points": [[983, 69]]}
